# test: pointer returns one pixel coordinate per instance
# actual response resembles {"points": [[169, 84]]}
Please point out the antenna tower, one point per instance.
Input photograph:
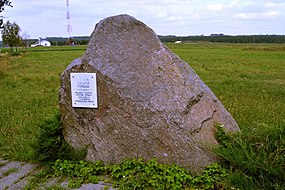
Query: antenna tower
{"points": [[68, 17]]}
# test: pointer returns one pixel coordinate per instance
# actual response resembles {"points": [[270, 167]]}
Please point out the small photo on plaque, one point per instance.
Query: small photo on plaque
{"points": [[84, 90]]}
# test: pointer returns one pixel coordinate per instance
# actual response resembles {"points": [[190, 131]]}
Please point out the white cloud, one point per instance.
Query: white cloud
{"points": [[274, 4], [271, 14], [216, 7], [246, 16]]}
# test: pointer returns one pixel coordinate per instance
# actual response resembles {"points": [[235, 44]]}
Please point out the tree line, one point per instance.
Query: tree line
{"points": [[83, 40], [226, 38]]}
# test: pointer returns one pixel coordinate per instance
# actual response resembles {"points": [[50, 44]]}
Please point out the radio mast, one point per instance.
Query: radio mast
{"points": [[68, 17]]}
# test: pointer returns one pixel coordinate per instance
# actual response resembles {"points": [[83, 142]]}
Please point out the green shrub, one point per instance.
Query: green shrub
{"points": [[5, 50], [51, 145], [11, 52]]}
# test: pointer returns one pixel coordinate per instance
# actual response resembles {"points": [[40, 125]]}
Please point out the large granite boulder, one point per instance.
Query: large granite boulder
{"points": [[151, 103]]}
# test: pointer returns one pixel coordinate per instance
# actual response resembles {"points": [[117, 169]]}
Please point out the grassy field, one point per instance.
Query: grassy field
{"points": [[29, 93], [249, 79]]}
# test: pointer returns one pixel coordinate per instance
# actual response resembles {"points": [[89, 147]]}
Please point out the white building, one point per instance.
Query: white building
{"points": [[41, 42]]}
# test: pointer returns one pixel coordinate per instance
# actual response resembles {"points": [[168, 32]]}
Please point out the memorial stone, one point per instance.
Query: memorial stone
{"points": [[151, 104]]}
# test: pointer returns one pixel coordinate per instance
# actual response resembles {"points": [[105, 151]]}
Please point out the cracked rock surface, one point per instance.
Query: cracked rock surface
{"points": [[151, 103]]}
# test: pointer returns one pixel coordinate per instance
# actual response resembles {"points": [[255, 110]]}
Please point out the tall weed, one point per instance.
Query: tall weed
{"points": [[256, 156]]}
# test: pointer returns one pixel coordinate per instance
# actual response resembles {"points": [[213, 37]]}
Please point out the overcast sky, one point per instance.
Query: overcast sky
{"points": [[47, 18]]}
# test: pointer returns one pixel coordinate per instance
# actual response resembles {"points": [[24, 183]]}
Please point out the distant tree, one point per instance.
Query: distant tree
{"points": [[11, 35], [4, 3], [25, 39]]}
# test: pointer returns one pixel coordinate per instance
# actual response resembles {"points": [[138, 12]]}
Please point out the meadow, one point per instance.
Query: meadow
{"points": [[249, 79], [29, 86]]}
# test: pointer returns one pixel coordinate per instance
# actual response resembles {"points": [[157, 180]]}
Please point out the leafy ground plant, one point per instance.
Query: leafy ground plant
{"points": [[137, 174]]}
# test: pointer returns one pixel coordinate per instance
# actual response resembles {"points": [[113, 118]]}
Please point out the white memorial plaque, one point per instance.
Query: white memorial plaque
{"points": [[84, 90]]}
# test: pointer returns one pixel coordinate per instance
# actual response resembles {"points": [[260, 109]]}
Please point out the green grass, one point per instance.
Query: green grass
{"points": [[255, 159], [8, 172], [29, 94], [248, 79]]}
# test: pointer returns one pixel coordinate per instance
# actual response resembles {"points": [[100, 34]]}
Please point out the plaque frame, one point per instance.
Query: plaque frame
{"points": [[84, 90]]}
